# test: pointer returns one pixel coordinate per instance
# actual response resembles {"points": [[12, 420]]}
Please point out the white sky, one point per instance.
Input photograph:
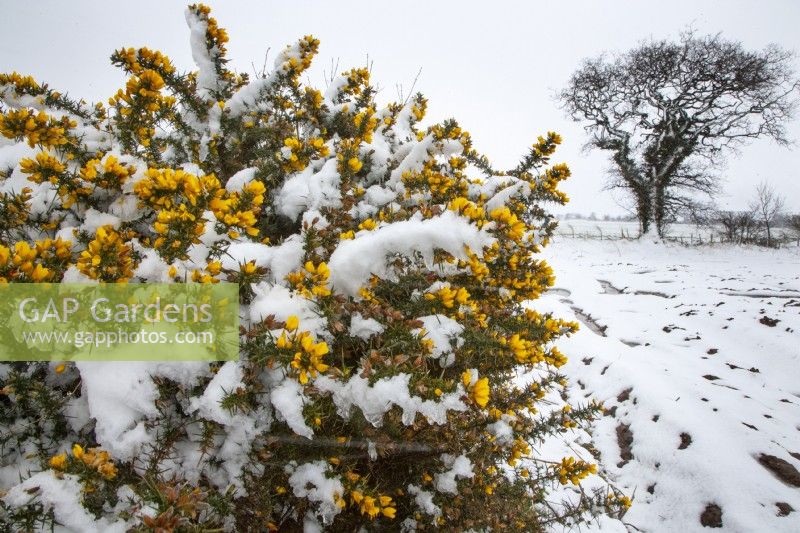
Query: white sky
{"points": [[493, 67]]}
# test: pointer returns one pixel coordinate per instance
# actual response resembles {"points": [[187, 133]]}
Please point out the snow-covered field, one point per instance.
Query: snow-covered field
{"points": [[621, 229], [695, 352]]}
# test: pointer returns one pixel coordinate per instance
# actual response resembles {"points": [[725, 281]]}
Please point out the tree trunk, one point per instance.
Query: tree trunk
{"points": [[769, 234], [650, 211], [658, 209]]}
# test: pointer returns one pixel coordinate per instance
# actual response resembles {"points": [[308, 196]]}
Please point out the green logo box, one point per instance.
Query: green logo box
{"points": [[119, 322]]}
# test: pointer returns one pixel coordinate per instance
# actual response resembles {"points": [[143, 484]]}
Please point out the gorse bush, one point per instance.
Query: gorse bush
{"points": [[392, 374]]}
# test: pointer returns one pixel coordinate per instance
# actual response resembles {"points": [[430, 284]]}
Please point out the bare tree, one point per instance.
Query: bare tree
{"points": [[667, 111], [738, 226], [767, 206], [794, 222]]}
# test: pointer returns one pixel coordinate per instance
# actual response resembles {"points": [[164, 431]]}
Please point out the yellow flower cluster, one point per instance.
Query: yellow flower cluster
{"points": [[216, 37], [528, 352], [546, 146], [108, 174], [427, 179], [449, 297], [142, 92], [307, 358], [524, 350], [108, 257], [141, 105], [354, 164], [38, 128], [551, 327], [147, 84], [368, 225], [419, 108], [478, 389], [619, 499], [45, 167], [22, 84], [463, 206], [476, 265], [239, 210], [511, 226], [177, 228], [212, 269], [164, 188], [179, 198], [136, 61], [249, 268], [552, 177], [555, 358], [365, 123], [357, 80], [95, 458], [442, 186], [520, 448], [348, 157], [566, 419], [426, 343], [294, 66], [298, 153], [311, 281], [373, 506], [55, 249], [45, 261], [571, 470]]}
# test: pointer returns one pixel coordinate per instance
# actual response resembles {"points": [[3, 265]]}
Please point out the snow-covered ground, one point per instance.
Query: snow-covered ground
{"points": [[695, 352]]}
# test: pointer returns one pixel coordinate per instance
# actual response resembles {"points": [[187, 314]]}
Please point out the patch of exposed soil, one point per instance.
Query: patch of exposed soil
{"points": [[625, 441], [767, 321], [712, 516], [624, 395], [784, 508], [782, 469]]}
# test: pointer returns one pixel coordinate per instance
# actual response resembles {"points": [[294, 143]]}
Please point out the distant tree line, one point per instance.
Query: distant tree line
{"points": [[758, 223]]}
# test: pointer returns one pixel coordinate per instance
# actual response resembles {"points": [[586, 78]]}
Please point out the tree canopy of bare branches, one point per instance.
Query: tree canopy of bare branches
{"points": [[668, 111], [766, 207]]}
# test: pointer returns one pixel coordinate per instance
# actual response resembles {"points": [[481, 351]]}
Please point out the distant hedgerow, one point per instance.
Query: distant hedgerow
{"points": [[392, 373]]}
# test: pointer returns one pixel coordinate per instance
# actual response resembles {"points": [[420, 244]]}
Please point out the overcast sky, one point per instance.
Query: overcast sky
{"points": [[495, 67]]}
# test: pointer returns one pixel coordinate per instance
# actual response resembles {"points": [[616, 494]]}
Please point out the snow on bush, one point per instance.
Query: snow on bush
{"points": [[382, 269]]}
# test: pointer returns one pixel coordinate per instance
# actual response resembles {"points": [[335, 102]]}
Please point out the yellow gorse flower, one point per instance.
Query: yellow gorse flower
{"points": [[108, 257], [571, 470], [37, 128], [312, 281], [136, 61], [22, 84], [96, 459], [478, 389], [107, 174], [58, 462], [45, 261], [373, 506], [45, 167], [307, 359]]}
